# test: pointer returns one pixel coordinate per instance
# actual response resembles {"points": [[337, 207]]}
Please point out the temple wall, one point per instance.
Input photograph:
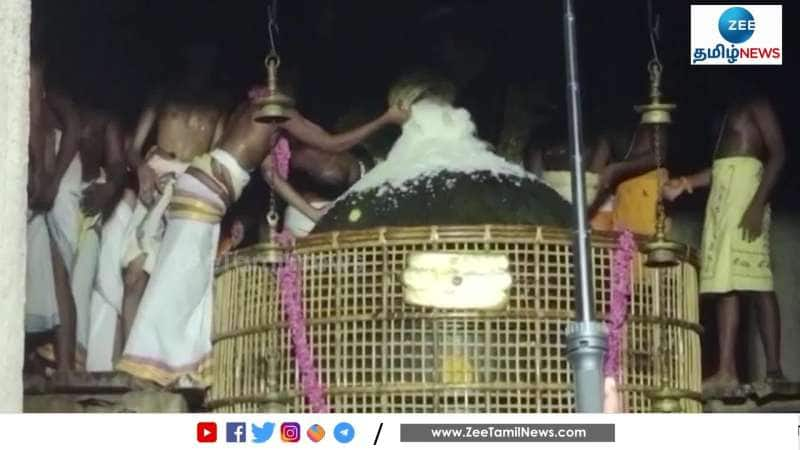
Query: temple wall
{"points": [[785, 251], [14, 53]]}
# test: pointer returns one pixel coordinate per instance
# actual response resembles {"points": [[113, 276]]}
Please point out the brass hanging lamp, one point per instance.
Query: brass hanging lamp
{"points": [[659, 251], [275, 105]]}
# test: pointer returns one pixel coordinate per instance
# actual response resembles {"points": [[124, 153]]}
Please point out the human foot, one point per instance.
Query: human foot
{"points": [[721, 385]]}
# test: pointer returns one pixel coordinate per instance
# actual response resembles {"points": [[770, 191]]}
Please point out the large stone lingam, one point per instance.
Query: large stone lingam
{"points": [[439, 173]]}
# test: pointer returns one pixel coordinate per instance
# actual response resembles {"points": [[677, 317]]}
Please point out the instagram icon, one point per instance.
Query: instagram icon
{"points": [[290, 432]]}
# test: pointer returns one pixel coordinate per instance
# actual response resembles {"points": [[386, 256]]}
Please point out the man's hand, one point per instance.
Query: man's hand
{"points": [[319, 213], [148, 184], [45, 197], [397, 115], [96, 198], [673, 189], [752, 222]]}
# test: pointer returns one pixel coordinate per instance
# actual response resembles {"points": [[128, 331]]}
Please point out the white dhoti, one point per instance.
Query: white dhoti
{"points": [[64, 218], [106, 301], [148, 223], [41, 306], [299, 224], [171, 334]]}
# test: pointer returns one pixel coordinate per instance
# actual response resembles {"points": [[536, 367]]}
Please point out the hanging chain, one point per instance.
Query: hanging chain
{"points": [[654, 25], [272, 31], [272, 26]]}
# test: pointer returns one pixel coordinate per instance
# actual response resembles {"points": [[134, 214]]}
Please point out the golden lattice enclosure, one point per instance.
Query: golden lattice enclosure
{"points": [[376, 353]]}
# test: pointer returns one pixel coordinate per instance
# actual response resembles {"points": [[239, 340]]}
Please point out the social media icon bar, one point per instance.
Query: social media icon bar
{"points": [[206, 432], [290, 432], [262, 433], [344, 433], [236, 432], [315, 432]]}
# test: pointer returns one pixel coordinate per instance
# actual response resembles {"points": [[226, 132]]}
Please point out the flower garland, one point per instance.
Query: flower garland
{"points": [[620, 295], [292, 299]]}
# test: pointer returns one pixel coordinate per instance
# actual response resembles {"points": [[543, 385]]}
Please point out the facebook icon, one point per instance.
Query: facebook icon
{"points": [[236, 432]]}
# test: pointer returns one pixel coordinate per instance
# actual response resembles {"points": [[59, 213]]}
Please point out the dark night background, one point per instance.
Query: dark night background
{"points": [[112, 53]]}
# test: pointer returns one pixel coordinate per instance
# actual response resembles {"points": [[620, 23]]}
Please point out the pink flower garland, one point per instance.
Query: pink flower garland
{"points": [[292, 300], [620, 295]]}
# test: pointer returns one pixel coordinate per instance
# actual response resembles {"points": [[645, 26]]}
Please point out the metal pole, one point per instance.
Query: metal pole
{"points": [[586, 338]]}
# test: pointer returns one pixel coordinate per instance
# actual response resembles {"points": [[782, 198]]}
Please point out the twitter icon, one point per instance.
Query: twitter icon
{"points": [[263, 433]]}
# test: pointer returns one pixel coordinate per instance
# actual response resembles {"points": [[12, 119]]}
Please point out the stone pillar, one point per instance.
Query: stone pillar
{"points": [[15, 18]]}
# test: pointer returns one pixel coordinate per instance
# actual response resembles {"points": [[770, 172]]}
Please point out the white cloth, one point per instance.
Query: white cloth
{"points": [[106, 301], [146, 229], [171, 335], [64, 218], [299, 224], [41, 306]]}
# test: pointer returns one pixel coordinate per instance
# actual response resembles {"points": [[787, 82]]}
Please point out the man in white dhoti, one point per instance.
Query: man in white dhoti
{"points": [[171, 336], [103, 175], [186, 122], [54, 131]]}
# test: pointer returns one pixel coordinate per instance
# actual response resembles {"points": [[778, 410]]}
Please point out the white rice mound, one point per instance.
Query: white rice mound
{"points": [[437, 137]]}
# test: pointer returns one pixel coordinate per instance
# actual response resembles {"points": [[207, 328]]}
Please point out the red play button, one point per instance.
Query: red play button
{"points": [[207, 432]]}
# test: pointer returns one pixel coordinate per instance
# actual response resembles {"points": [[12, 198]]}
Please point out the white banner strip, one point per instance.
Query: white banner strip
{"points": [[250, 431]]}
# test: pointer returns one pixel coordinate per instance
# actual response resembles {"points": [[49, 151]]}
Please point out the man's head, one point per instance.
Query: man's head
{"points": [[421, 85], [240, 229]]}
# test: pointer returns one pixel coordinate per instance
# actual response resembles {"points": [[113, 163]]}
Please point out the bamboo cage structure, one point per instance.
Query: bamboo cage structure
{"points": [[376, 353]]}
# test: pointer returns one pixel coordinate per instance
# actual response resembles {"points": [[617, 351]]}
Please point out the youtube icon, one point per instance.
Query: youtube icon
{"points": [[207, 432]]}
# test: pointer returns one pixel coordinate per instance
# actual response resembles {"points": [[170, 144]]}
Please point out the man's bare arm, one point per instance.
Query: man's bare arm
{"points": [[70, 134], [287, 192], [144, 126], [768, 124], [115, 155], [219, 130], [312, 135], [601, 155]]}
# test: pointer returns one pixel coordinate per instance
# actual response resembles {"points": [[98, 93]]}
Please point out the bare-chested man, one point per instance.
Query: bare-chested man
{"points": [[186, 123], [735, 253], [171, 334], [103, 171], [634, 178], [54, 130]]}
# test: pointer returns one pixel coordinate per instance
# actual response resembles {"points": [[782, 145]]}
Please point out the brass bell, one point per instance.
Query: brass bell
{"points": [[270, 251], [275, 106], [660, 252], [665, 400], [655, 112]]}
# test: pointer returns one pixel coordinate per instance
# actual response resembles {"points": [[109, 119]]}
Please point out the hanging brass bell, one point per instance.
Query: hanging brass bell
{"points": [[665, 400], [655, 112], [275, 105], [660, 252], [270, 251]]}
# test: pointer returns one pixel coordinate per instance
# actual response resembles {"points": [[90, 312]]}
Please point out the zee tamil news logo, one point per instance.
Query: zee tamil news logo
{"points": [[736, 35]]}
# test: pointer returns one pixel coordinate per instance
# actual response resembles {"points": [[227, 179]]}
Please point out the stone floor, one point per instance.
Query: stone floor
{"points": [[105, 392], [758, 398]]}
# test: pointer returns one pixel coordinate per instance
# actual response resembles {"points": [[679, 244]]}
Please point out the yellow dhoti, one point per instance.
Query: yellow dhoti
{"points": [[635, 203], [729, 262], [171, 334]]}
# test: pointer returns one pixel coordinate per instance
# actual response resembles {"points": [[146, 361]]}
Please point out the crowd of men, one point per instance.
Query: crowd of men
{"points": [[124, 225]]}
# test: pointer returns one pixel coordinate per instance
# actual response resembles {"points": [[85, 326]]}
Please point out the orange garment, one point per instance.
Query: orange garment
{"points": [[635, 206]]}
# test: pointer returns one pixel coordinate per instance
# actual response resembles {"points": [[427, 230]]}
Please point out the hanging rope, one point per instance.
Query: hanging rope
{"points": [[272, 26]]}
